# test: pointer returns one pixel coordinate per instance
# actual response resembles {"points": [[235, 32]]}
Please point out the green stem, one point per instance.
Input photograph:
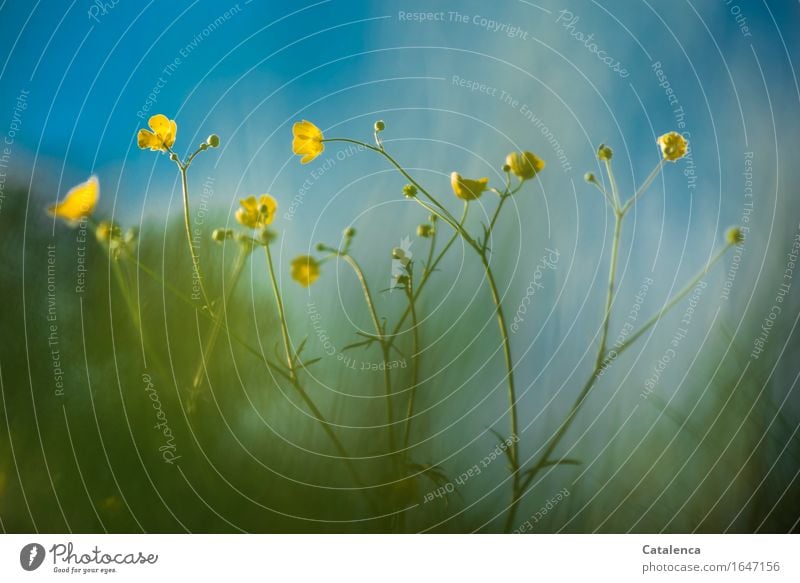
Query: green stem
{"points": [[387, 377], [188, 226], [645, 185], [442, 212], [606, 358], [612, 273], [211, 340], [316, 413], [414, 361]]}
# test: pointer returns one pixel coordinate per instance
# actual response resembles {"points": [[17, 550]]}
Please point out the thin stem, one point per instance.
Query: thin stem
{"points": [[551, 446], [318, 416], [414, 360], [281, 315], [211, 340], [426, 276], [188, 225], [387, 377], [612, 181], [675, 299], [612, 273], [447, 217], [645, 185], [442, 212]]}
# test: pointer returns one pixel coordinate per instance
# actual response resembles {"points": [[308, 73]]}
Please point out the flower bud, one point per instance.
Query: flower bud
{"points": [[433, 218], [402, 280], [379, 126], [398, 253], [173, 157], [349, 233], [321, 247], [425, 231], [734, 236], [605, 153], [409, 191], [219, 235], [590, 178], [213, 141], [506, 168], [267, 235]]}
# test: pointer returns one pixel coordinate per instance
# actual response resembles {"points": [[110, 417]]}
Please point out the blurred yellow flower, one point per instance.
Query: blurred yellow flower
{"points": [[673, 146], [524, 165], [163, 135], [307, 141], [734, 236], [305, 270], [257, 212], [467, 189], [78, 203]]}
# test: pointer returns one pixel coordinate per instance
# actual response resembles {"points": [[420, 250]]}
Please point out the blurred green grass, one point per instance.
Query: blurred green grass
{"points": [[714, 456]]}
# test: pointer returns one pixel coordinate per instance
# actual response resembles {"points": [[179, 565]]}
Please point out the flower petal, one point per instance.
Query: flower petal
{"points": [[79, 202]]}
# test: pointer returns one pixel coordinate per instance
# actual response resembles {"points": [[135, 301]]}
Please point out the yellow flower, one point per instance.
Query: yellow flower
{"points": [[467, 189], [734, 236], [305, 270], [307, 141], [163, 135], [673, 146], [524, 165], [78, 203], [257, 212]]}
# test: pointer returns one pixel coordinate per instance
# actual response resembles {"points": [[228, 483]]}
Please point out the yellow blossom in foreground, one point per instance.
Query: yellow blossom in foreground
{"points": [[673, 146], [467, 189], [307, 141], [163, 135], [524, 165], [305, 270], [257, 212], [78, 203]]}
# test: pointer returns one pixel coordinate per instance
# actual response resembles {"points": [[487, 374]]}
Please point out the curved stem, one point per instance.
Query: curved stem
{"points": [[295, 381], [387, 377], [442, 212], [198, 275]]}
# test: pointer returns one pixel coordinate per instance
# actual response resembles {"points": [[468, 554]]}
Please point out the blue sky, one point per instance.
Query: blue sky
{"points": [[247, 70]]}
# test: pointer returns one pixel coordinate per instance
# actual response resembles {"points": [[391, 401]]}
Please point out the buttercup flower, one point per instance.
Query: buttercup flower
{"points": [[524, 165], [307, 141], [305, 270], [78, 203], [467, 189], [163, 135], [257, 212], [673, 146]]}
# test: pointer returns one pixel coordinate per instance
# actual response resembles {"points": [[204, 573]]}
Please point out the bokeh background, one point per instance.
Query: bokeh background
{"points": [[712, 448]]}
